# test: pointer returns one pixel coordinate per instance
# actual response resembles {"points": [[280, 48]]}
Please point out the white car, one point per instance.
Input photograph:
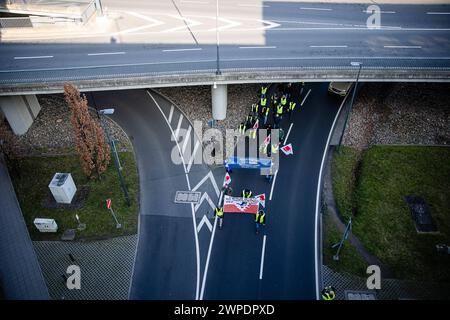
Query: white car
{"points": [[340, 88]]}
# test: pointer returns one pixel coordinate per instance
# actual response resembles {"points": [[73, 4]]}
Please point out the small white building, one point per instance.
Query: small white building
{"points": [[63, 187]]}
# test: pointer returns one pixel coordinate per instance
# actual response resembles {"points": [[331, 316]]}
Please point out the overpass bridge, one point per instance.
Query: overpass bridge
{"points": [[173, 43]]}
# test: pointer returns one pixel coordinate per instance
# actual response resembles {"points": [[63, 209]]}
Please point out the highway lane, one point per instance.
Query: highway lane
{"points": [[289, 267], [279, 35]]}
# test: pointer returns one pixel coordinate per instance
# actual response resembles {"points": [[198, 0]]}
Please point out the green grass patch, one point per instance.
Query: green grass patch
{"points": [[349, 259], [344, 171], [383, 221], [32, 187]]}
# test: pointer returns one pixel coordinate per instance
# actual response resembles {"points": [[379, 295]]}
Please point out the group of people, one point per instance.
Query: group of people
{"points": [[281, 102], [260, 217]]}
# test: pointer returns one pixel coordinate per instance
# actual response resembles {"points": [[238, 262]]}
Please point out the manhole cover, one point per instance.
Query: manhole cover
{"points": [[421, 214]]}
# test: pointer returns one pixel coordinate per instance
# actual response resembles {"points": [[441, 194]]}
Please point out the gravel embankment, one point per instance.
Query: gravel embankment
{"points": [[400, 114], [195, 102], [51, 132]]}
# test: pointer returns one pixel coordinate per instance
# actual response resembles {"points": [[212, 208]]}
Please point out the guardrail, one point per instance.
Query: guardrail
{"points": [[19, 22]]}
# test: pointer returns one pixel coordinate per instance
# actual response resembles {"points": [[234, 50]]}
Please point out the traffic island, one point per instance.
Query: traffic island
{"points": [[371, 189], [32, 176]]}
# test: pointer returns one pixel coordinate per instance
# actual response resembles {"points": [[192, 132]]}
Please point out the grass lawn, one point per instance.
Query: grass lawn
{"points": [[349, 259], [32, 187], [383, 221]]}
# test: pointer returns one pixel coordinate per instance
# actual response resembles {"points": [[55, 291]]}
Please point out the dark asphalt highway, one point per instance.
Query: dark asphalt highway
{"points": [[273, 36], [173, 253]]}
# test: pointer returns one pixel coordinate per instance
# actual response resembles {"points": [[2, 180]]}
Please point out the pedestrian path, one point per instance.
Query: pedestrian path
{"points": [[391, 289], [20, 273], [106, 267]]}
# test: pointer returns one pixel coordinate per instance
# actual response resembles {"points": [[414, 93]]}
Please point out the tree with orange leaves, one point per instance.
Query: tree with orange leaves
{"points": [[90, 140]]}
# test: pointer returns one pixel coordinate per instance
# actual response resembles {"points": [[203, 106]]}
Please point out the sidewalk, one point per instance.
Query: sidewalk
{"points": [[106, 267], [20, 273]]}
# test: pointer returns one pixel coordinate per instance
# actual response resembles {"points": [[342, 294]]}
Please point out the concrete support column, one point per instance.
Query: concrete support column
{"points": [[20, 111], [219, 101]]}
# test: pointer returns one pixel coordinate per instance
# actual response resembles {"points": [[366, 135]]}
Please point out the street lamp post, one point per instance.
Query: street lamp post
{"points": [[351, 102], [218, 72], [114, 152]]}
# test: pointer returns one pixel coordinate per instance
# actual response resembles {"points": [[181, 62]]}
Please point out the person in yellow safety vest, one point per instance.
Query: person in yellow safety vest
{"points": [[283, 100], [242, 128], [274, 148], [291, 108], [263, 102], [255, 109], [263, 90], [274, 100], [219, 212], [246, 193], [328, 293], [260, 219], [280, 109]]}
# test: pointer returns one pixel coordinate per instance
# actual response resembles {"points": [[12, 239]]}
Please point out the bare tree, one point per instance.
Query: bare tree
{"points": [[90, 140]]}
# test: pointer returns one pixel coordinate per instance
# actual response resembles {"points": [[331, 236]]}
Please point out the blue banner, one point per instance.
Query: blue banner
{"points": [[247, 163]]}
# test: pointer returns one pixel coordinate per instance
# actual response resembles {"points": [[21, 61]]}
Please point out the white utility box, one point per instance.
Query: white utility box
{"points": [[46, 225], [62, 187]]}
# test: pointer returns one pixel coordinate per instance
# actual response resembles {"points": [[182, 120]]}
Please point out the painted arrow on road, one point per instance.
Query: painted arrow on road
{"points": [[203, 222]]}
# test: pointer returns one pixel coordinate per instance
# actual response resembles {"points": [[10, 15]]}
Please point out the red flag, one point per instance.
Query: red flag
{"points": [[287, 149], [262, 199], [108, 203], [267, 140], [227, 179], [256, 125]]}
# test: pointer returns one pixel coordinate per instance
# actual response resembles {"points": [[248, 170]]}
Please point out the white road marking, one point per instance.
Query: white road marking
{"points": [[269, 25], [304, 99], [188, 138], [273, 185], [209, 176], [205, 272], [105, 53], [261, 267], [204, 197], [438, 12], [287, 135], [319, 183], [403, 47], [318, 9], [328, 46], [197, 246], [33, 57], [266, 47], [388, 12], [170, 114], [230, 24], [191, 161], [176, 50], [203, 222], [154, 23], [190, 23], [177, 131]]}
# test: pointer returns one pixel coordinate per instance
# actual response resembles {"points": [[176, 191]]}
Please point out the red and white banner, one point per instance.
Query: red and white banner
{"points": [[227, 179], [262, 199], [108, 203], [256, 125], [287, 149], [240, 205]]}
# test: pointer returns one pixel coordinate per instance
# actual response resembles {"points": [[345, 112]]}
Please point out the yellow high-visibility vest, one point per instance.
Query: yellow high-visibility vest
{"points": [[283, 101], [263, 90], [263, 102], [280, 109], [274, 148], [219, 212], [292, 105]]}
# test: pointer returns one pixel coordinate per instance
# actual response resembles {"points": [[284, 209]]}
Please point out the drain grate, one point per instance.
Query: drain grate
{"points": [[421, 214]]}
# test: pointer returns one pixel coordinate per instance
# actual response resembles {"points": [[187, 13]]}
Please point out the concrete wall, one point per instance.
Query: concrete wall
{"points": [[20, 111]]}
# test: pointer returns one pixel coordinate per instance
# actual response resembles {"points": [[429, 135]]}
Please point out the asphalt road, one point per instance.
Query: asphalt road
{"points": [[181, 256], [179, 37]]}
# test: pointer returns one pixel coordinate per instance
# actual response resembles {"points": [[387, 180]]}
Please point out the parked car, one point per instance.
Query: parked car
{"points": [[340, 88]]}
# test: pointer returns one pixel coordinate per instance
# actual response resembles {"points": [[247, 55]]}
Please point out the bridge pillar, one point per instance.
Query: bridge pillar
{"points": [[20, 111], [219, 101]]}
